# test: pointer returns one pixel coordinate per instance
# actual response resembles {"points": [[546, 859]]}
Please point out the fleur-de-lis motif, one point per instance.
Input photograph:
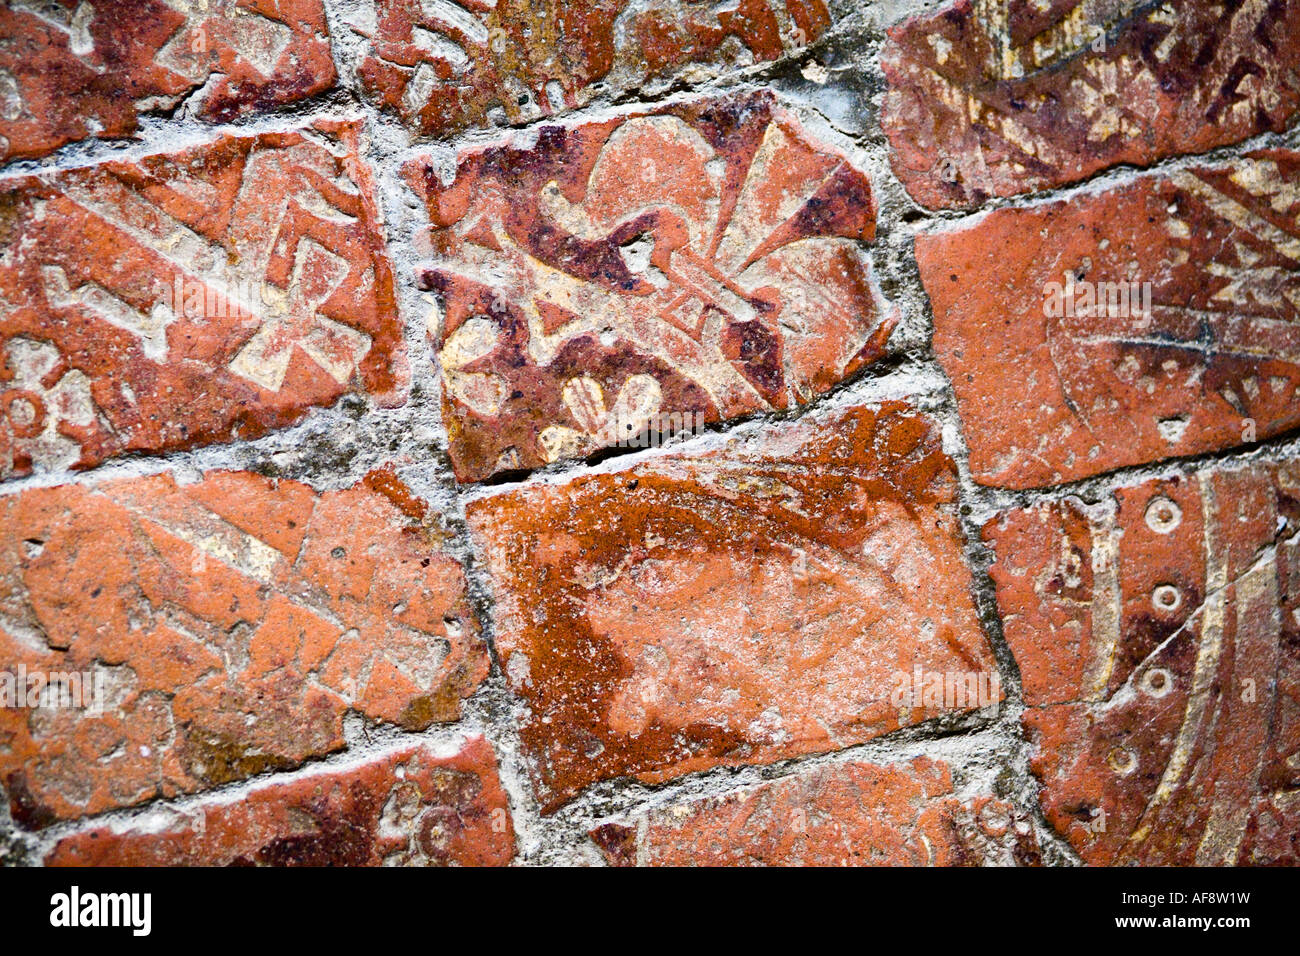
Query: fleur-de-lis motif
{"points": [[722, 268]]}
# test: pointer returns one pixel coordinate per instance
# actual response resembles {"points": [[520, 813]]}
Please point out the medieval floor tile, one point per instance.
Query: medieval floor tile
{"points": [[415, 807], [1158, 638], [648, 273], [995, 99], [72, 69], [166, 638], [445, 67], [1149, 320], [850, 814], [190, 298], [794, 593]]}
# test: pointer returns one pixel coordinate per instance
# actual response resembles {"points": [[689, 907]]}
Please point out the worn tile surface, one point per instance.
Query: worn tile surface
{"points": [[1182, 334], [190, 298], [446, 67], [998, 98], [1158, 637], [234, 622], [700, 260], [739, 606], [71, 69], [415, 807], [850, 814]]}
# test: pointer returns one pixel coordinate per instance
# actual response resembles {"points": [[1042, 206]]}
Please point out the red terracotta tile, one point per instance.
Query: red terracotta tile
{"points": [[413, 807], [733, 607], [1183, 338], [702, 261], [1158, 638], [995, 99], [447, 67], [233, 623], [190, 298], [72, 69], [850, 814]]}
